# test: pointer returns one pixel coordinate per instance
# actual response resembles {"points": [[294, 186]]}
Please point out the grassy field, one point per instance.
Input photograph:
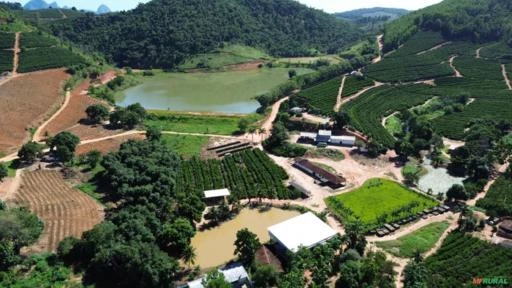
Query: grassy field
{"points": [[185, 145], [204, 124], [334, 155], [333, 59], [229, 55], [420, 240], [393, 125], [377, 202]]}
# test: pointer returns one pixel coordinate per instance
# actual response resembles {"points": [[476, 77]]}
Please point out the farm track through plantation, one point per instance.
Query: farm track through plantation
{"points": [[64, 210], [17, 52]]}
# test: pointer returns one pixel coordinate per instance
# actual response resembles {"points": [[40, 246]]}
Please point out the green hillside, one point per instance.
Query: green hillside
{"points": [[371, 19], [479, 21], [162, 33]]}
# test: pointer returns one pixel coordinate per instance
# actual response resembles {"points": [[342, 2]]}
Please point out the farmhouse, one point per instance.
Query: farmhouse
{"points": [[234, 274], [305, 230], [505, 228], [213, 197], [323, 176]]}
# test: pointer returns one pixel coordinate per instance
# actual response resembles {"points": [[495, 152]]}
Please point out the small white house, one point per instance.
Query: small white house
{"points": [[324, 136], [235, 274], [214, 196], [305, 230]]}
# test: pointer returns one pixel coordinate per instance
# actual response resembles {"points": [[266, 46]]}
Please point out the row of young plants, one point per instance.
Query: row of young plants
{"points": [[354, 84], [322, 98], [47, 58], [248, 174]]}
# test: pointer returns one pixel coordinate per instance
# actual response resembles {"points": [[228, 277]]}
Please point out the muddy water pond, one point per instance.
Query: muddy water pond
{"points": [[231, 92], [215, 247]]}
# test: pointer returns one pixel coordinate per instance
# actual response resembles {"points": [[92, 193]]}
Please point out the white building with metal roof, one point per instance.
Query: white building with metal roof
{"points": [[216, 193], [305, 230], [235, 274]]}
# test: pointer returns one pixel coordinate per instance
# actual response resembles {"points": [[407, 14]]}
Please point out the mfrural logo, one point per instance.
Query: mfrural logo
{"points": [[492, 281]]}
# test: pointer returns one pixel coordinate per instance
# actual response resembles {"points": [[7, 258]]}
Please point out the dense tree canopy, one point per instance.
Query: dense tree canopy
{"points": [[162, 33]]}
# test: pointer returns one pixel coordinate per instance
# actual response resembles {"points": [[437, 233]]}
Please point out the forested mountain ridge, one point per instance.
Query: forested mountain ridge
{"points": [[162, 33], [358, 14], [478, 21]]}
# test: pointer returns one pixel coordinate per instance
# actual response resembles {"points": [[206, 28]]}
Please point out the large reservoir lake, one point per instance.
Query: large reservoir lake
{"points": [[219, 92]]}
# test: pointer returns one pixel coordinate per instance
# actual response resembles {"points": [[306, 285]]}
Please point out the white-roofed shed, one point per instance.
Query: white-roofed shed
{"points": [[216, 193], [305, 230]]}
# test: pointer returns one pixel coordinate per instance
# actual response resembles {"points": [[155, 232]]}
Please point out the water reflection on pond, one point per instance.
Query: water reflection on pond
{"points": [[215, 246]]}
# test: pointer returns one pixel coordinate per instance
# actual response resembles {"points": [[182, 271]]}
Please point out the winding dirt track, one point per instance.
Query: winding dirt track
{"points": [[505, 76], [457, 73], [37, 135], [340, 93], [434, 48]]}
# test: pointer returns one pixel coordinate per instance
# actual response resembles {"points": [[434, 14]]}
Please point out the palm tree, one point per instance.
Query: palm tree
{"points": [[189, 256]]}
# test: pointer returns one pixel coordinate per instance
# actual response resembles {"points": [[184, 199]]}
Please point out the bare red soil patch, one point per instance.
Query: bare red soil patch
{"points": [[109, 145], [26, 101], [70, 118], [64, 210], [253, 65]]}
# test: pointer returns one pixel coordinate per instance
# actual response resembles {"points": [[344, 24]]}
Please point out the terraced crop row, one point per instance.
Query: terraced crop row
{"points": [[7, 40], [64, 210], [47, 58], [498, 199], [248, 174], [366, 112], [6, 60], [322, 97], [421, 41], [355, 84], [35, 40], [463, 257]]}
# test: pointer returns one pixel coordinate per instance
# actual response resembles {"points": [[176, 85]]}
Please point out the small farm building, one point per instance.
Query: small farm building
{"points": [[234, 274], [505, 228], [215, 196], [343, 140], [324, 136], [323, 176], [305, 230]]}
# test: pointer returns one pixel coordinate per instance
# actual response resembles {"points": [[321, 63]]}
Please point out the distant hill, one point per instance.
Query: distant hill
{"points": [[376, 12], [53, 5], [36, 5], [371, 19], [478, 21], [162, 33], [103, 9]]}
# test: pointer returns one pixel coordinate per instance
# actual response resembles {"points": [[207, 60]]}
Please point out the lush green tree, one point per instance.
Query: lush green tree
{"points": [[265, 277], [411, 176], [342, 119], [4, 171], [189, 255], [215, 279], [30, 152], [246, 245], [292, 73], [175, 237], [457, 192], [128, 117], [292, 279], [64, 145], [355, 237], [8, 255], [97, 113], [153, 133], [371, 271], [415, 275], [243, 125], [92, 159]]}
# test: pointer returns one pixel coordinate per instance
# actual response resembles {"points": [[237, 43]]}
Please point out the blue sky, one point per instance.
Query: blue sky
{"points": [[326, 5]]}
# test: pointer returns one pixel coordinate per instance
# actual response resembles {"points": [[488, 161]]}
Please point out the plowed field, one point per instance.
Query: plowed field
{"points": [[26, 101], [64, 210]]}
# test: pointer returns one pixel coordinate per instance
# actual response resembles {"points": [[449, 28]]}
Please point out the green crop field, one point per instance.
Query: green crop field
{"points": [[367, 111], [188, 123], [420, 42], [355, 84], [47, 58], [377, 202], [7, 40], [498, 200], [463, 257], [35, 40], [6, 60], [185, 145], [248, 174], [420, 240], [229, 55], [322, 97]]}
